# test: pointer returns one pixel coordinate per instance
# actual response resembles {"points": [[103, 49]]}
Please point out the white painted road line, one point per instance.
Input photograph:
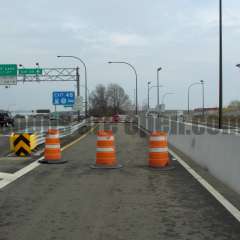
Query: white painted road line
{"points": [[5, 175], [218, 196], [9, 178], [229, 206], [27, 169]]}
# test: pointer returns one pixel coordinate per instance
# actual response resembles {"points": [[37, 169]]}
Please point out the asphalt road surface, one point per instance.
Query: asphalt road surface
{"points": [[4, 145], [73, 201]]}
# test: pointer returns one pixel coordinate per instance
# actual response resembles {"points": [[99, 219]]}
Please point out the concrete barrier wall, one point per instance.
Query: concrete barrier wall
{"points": [[214, 150]]}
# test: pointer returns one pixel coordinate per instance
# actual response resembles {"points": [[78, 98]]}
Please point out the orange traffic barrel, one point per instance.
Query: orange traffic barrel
{"points": [[158, 150], [52, 152], [105, 151]]}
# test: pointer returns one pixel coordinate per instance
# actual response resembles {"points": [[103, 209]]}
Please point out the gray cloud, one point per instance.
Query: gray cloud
{"points": [[181, 36]]}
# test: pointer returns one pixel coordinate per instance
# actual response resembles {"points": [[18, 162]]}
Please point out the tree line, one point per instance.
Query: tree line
{"points": [[109, 100]]}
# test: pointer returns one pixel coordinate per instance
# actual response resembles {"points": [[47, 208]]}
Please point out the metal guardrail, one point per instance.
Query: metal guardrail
{"points": [[156, 123], [36, 138], [64, 131]]}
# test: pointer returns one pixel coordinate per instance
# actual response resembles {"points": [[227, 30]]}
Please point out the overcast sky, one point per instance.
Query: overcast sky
{"points": [[180, 36]]}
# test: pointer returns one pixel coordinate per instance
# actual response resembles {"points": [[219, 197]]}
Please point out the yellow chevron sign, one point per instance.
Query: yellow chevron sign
{"points": [[24, 143]]}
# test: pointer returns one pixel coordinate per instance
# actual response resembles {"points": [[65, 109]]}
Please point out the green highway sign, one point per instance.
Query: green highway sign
{"points": [[7, 70], [8, 74], [30, 71]]}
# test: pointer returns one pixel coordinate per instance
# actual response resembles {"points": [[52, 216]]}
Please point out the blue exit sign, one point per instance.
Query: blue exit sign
{"points": [[63, 98]]}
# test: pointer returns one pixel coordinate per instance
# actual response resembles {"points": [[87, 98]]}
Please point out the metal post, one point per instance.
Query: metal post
{"points": [[37, 78], [203, 99], [134, 95], [220, 67], [188, 100], [86, 92], [114, 100], [24, 76], [158, 100], [117, 101], [157, 88], [78, 90], [158, 97], [136, 109], [193, 84], [148, 95]]}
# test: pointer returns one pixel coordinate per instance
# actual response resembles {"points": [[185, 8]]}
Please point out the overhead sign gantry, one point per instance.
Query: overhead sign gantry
{"points": [[47, 74], [10, 74]]}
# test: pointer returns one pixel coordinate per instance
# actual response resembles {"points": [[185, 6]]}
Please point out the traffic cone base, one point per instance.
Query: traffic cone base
{"points": [[53, 161], [162, 169], [96, 166]]}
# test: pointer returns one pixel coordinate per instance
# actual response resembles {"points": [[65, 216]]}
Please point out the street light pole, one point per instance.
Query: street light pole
{"points": [[148, 94], [220, 66], [85, 68], [135, 72], [158, 100], [155, 87], [191, 85], [83, 86], [78, 89], [115, 100], [203, 98], [149, 89]]}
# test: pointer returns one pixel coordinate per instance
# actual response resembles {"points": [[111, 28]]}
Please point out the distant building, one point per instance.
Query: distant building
{"points": [[207, 111], [41, 112]]}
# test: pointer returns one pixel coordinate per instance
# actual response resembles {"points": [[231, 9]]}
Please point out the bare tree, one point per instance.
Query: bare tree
{"points": [[118, 99], [108, 101], [98, 101]]}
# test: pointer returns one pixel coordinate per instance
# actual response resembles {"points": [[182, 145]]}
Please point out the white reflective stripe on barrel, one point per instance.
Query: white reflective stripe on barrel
{"points": [[105, 149], [110, 138], [53, 146], [158, 150], [160, 138], [53, 136]]}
